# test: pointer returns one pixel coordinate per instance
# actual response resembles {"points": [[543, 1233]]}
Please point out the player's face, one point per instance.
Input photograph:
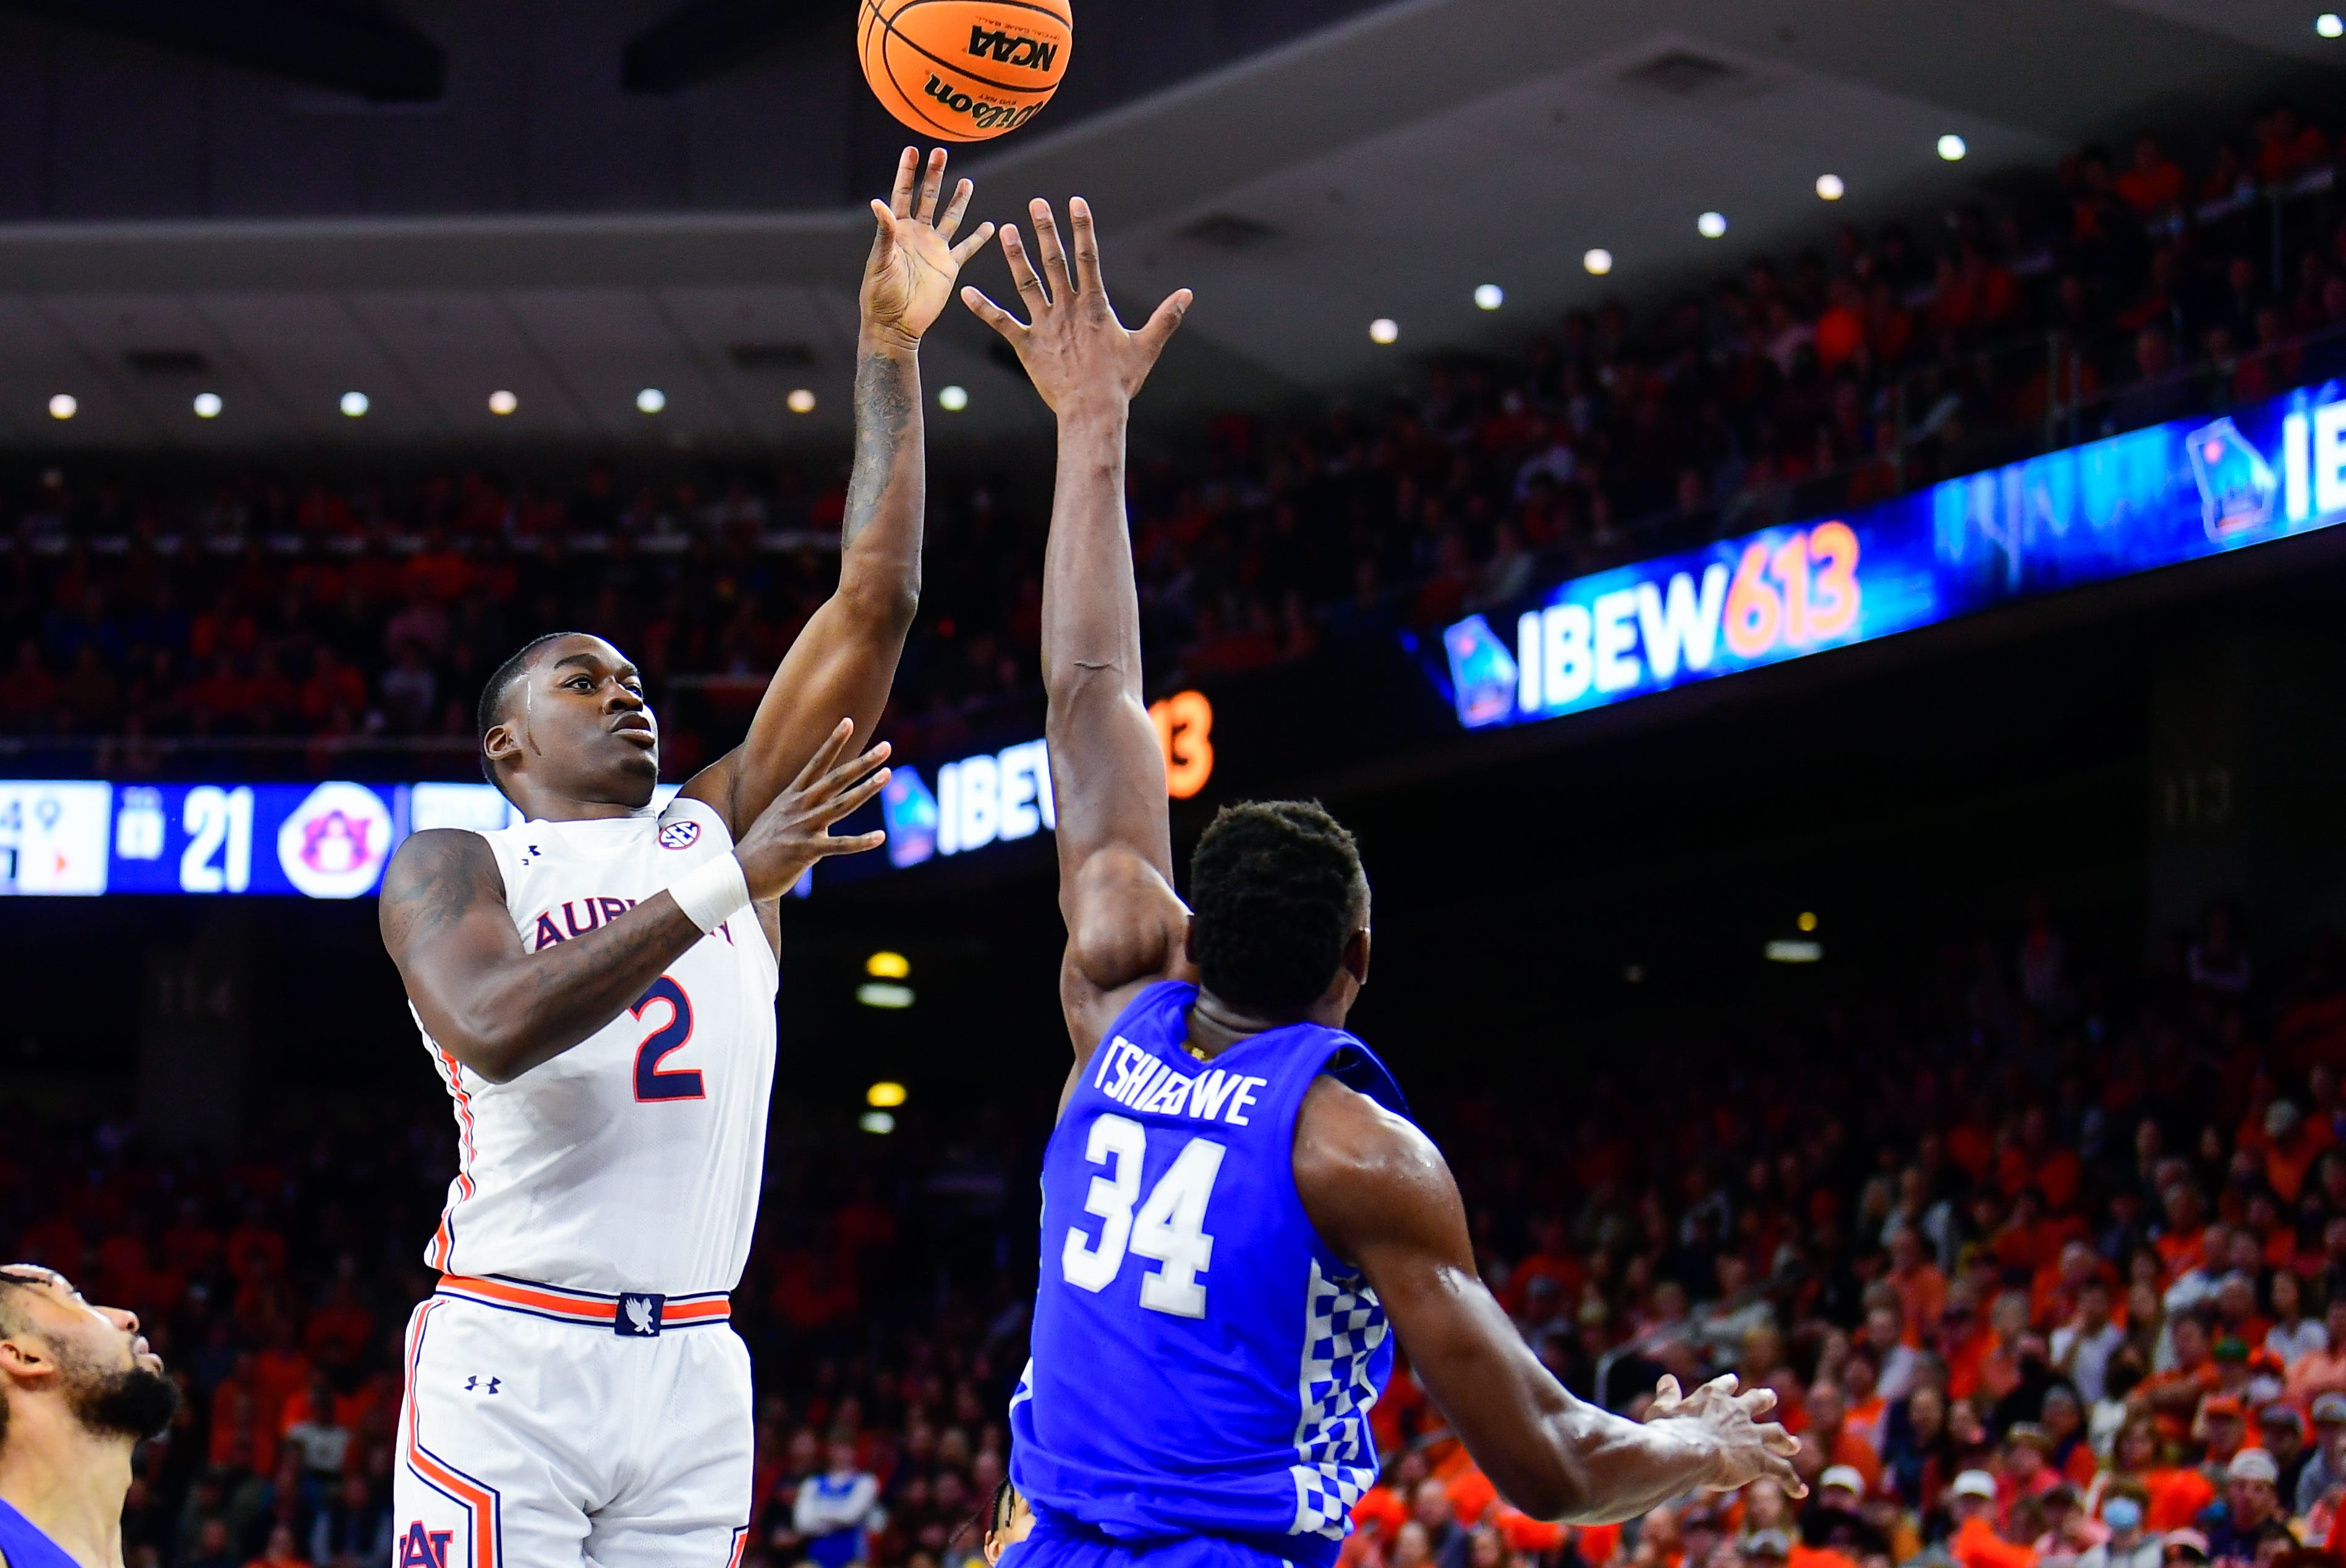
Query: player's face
{"points": [[103, 1338], [578, 727]]}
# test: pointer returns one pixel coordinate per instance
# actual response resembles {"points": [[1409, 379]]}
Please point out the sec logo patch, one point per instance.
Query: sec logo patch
{"points": [[679, 835]]}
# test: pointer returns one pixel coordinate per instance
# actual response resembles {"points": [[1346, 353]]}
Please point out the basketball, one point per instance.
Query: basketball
{"points": [[964, 70]]}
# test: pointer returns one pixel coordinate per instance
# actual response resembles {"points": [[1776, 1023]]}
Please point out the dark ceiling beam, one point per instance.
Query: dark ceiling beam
{"points": [[343, 44], [704, 38]]}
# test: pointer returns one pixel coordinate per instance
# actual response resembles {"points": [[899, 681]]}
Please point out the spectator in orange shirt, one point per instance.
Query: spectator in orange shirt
{"points": [[340, 1327], [2065, 1432], [1381, 1508], [1829, 1443], [1975, 1544], [2154, 182], [2291, 1146], [2182, 1240], [2175, 1394], [1921, 1288], [1861, 1389], [2286, 144], [2237, 1316], [2027, 1471], [2053, 1168], [1963, 1342], [2000, 1366], [1552, 1259], [255, 1248], [2223, 1428]]}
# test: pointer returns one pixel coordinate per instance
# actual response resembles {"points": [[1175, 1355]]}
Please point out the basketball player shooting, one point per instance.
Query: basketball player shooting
{"points": [[1238, 1213], [596, 988]]}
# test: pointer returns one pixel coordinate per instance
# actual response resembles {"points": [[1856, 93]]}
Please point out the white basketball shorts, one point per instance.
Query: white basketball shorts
{"points": [[545, 1428]]}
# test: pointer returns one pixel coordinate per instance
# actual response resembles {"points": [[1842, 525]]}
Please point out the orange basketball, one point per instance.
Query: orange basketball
{"points": [[964, 70]]}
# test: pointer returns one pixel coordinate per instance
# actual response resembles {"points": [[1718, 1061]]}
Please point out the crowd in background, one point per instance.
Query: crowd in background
{"points": [[295, 621], [2044, 1267]]}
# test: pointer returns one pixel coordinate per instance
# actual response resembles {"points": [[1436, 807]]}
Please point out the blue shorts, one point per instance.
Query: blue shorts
{"points": [[1060, 1542]]}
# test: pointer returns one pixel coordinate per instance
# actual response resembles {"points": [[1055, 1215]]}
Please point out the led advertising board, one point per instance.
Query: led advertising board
{"points": [[332, 840], [2153, 497]]}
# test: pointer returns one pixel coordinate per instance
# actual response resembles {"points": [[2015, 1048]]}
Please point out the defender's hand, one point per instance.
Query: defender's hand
{"points": [[914, 260], [1074, 349], [794, 831], [1745, 1448]]}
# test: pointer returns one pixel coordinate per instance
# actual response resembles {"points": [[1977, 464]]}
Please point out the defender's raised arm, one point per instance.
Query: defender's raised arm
{"points": [[844, 661], [1125, 924]]}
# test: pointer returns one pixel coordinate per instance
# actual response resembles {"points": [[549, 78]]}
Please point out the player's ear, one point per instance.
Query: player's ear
{"points": [[1356, 956], [26, 1359], [502, 744]]}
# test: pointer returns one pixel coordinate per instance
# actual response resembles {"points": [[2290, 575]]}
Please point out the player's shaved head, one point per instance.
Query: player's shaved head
{"points": [[499, 689], [1275, 891]]}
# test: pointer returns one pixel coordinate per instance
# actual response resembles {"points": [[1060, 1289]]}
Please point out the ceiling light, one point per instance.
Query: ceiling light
{"points": [[651, 399], [1952, 147], [886, 965], [1710, 225], [208, 405], [801, 401], [1781, 952], [2330, 25], [884, 1096], [880, 993], [1383, 329], [878, 1123], [1598, 261], [65, 405], [952, 400], [503, 403], [1830, 187], [1489, 295], [354, 404]]}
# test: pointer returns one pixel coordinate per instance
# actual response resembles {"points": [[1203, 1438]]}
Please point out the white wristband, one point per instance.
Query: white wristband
{"points": [[711, 892]]}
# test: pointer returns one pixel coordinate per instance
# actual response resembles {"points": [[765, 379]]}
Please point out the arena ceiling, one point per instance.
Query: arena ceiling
{"points": [[1384, 163]]}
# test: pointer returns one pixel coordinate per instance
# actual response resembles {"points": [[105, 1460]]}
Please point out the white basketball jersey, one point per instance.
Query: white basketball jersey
{"points": [[632, 1160]]}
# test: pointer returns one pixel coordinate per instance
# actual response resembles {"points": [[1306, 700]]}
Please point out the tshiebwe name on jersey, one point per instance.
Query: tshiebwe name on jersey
{"points": [[1131, 1076]]}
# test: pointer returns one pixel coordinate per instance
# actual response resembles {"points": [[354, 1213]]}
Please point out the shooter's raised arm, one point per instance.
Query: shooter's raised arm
{"points": [[1125, 924], [844, 661]]}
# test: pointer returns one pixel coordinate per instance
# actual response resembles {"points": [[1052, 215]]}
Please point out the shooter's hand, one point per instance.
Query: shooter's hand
{"points": [[914, 260]]}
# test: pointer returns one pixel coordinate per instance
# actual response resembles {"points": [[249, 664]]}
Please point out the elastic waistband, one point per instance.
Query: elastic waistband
{"points": [[629, 1314]]}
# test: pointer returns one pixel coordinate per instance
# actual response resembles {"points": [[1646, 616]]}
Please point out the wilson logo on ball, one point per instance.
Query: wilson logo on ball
{"points": [[1012, 49], [964, 70], [994, 117]]}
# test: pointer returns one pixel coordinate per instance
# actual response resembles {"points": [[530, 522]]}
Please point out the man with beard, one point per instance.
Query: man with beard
{"points": [[78, 1391]]}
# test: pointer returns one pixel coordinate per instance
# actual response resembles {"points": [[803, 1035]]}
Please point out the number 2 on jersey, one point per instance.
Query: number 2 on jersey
{"points": [[651, 1084], [1170, 1228]]}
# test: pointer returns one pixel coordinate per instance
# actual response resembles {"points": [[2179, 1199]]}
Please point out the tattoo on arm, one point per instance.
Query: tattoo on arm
{"points": [[434, 886], [883, 416]]}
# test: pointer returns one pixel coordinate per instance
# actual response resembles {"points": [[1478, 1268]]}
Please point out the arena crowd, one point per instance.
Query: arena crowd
{"points": [[2047, 1267], [327, 627]]}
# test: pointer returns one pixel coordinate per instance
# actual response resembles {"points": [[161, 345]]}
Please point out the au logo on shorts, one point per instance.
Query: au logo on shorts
{"points": [[423, 1548], [639, 1316], [679, 835]]}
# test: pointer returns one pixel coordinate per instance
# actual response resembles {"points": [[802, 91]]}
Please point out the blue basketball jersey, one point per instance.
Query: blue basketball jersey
{"points": [[1203, 1365], [22, 1545]]}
